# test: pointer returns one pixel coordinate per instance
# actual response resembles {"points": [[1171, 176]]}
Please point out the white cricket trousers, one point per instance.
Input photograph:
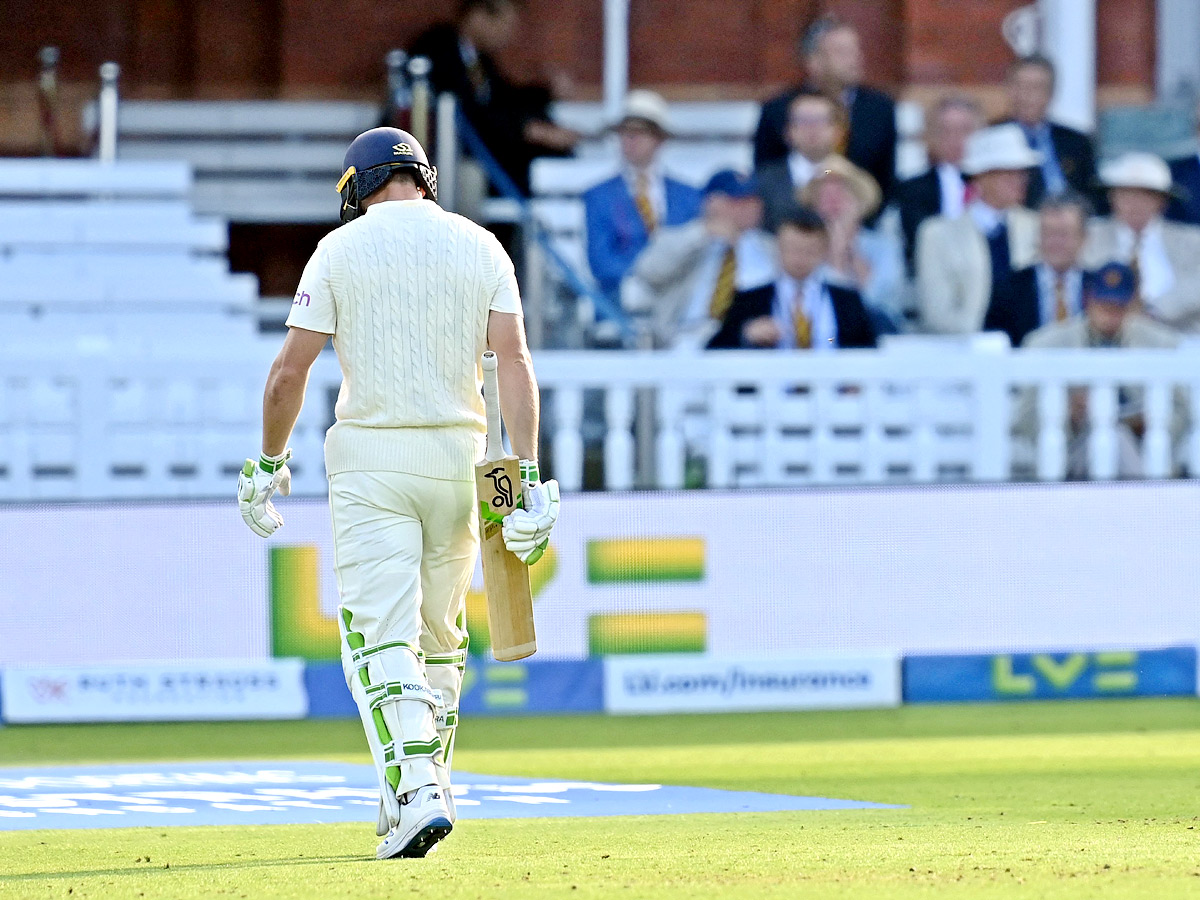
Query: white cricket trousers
{"points": [[404, 550]]}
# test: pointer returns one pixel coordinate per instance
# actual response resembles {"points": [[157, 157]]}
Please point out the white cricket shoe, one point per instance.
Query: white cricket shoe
{"points": [[424, 820]]}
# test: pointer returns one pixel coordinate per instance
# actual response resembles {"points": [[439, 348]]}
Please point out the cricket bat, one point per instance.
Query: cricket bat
{"points": [[505, 578]]}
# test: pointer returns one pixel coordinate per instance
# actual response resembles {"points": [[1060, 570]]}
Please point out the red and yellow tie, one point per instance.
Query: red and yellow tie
{"points": [[641, 199]]}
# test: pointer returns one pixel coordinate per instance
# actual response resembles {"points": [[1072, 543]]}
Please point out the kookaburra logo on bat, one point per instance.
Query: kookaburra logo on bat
{"points": [[503, 487]]}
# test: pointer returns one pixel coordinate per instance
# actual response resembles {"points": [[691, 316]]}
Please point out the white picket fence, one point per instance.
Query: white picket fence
{"points": [[91, 421]]}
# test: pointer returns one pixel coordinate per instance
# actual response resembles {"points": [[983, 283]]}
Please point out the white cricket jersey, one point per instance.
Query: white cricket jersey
{"points": [[405, 290]]}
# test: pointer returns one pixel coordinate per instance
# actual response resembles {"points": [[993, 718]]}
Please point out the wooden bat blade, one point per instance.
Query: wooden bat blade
{"points": [[505, 578]]}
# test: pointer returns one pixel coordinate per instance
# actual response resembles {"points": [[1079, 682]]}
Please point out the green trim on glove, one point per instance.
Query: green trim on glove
{"points": [[530, 474], [272, 464]]}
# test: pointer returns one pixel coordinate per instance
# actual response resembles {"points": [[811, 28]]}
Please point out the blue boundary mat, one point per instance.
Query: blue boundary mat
{"points": [[263, 793]]}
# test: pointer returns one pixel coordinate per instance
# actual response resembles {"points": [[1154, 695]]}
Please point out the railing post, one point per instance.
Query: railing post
{"points": [[446, 152], [618, 438], [1051, 433], [568, 441], [669, 445], [1156, 443], [419, 68], [1102, 431], [107, 143]]}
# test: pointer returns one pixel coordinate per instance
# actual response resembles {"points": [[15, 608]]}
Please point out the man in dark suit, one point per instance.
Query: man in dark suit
{"points": [[1052, 289], [1068, 160], [833, 60], [512, 121], [1185, 206], [941, 190], [814, 128], [802, 309]]}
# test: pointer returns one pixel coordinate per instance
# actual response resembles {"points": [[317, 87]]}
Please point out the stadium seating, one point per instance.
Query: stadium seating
{"points": [[255, 161]]}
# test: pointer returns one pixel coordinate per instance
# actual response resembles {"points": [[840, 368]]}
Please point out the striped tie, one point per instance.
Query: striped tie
{"points": [[641, 199], [722, 295], [803, 325], [1135, 263], [1061, 313]]}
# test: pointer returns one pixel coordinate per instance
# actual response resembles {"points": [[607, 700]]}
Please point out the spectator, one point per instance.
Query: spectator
{"points": [[834, 64], [960, 260], [805, 308], [1068, 160], [1110, 319], [813, 127], [941, 190], [688, 274], [512, 121], [625, 210], [1165, 256], [1051, 290], [1186, 174], [863, 258]]}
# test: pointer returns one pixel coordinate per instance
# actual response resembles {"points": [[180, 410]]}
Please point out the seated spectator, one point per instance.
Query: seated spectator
{"points": [[870, 261], [813, 125], [941, 190], [1110, 319], [1186, 174], [1165, 256], [687, 276], [834, 66], [512, 121], [1052, 290], [1068, 160], [807, 307], [624, 211], [960, 260]]}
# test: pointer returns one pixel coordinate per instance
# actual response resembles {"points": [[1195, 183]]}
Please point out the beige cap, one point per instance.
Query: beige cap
{"points": [[999, 148], [1137, 170], [859, 181], [646, 106]]}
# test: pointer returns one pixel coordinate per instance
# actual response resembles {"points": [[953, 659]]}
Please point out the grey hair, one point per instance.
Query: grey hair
{"points": [[1068, 199], [815, 33]]}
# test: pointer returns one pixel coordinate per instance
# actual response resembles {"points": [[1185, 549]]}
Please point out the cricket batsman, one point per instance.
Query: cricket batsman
{"points": [[412, 295]]}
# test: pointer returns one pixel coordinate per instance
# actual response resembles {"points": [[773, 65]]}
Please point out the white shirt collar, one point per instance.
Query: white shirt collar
{"points": [[953, 189], [986, 218], [801, 168]]}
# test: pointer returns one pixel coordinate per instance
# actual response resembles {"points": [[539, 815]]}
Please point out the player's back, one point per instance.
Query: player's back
{"points": [[412, 286]]}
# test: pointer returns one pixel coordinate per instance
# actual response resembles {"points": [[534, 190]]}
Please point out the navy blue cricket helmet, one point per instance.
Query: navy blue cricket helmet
{"points": [[372, 158]]}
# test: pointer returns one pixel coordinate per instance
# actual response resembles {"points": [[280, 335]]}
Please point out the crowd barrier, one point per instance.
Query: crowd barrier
{"points": [[646, 603], [164, 421]]}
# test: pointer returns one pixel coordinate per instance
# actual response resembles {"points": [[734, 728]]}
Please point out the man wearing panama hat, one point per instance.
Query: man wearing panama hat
{"points": [[961, 259], [865, 258], [624, 211], [1165, 256]]}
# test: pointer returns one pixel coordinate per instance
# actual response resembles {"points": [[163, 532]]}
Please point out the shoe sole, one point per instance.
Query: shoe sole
{"points": [[424, 840]]}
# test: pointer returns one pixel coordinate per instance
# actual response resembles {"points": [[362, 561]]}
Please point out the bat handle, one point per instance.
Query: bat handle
{"points": [[491, 403]]}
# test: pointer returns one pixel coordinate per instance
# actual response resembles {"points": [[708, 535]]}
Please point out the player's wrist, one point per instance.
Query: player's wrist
{"points": [[530, 472], [273, 464]]}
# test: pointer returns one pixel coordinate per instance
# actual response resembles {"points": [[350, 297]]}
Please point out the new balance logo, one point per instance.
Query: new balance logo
{"points": [[402, 150]]}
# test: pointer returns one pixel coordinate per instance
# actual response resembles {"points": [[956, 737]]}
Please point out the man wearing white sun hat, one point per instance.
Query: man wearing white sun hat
{"points": [[1165, 256], [961, 259]]}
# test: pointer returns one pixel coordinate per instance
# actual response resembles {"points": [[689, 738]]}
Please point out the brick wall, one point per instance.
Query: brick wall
{"points": [[689, 48]]}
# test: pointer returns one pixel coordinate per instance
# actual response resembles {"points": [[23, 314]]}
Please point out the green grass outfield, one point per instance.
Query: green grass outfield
{"points": [[1095, 799]]}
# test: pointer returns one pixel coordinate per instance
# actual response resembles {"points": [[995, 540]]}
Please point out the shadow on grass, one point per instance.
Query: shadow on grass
{"points": [[147, 868]]}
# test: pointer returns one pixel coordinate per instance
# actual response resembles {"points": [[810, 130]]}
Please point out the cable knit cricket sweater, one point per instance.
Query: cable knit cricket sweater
{"points": [[405, 290]]}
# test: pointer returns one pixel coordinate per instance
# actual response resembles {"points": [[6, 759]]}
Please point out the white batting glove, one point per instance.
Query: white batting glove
{"points": [[257, 482], [527, 531]]}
